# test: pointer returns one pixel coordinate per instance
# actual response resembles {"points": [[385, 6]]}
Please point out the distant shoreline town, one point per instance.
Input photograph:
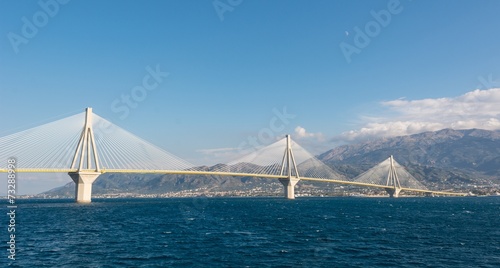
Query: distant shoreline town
{"points": [[259, 192]]}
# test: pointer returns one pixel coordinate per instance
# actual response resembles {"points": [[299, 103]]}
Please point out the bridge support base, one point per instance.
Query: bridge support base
{"points": [[289, 185], [83, 185], [393, 192]]}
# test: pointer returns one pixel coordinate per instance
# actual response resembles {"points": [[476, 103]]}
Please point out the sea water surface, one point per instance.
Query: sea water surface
{"points": [[257, 232]]}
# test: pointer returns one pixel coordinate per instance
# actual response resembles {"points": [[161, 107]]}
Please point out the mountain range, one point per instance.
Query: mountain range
{"points": [[445, 159], [442, 159]]}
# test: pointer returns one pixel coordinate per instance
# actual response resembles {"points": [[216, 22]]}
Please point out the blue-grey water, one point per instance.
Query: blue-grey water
{"points": [[257, 232]]}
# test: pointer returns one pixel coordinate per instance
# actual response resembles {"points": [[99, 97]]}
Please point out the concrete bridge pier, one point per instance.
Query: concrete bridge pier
{"points": [[393, 192], [289, 185], [86, 162], [83, 185]]}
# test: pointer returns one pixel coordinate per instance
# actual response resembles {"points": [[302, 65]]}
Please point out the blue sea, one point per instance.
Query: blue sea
{"points": [[257, 232]]}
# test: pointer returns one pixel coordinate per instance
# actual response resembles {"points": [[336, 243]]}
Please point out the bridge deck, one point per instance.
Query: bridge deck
{"points": [[234, 174]]}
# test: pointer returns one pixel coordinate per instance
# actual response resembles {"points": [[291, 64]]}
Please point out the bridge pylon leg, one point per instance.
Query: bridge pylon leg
{"points": [[289, 169], [83, 185], [393, 192], [289, 185]]}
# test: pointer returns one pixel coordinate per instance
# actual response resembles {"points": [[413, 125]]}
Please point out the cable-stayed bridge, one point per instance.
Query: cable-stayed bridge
{"points": [[99, 146]]}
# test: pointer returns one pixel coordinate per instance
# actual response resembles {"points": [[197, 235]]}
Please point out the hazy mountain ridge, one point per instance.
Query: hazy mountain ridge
{"points": [[436, 148], [443, 159]]}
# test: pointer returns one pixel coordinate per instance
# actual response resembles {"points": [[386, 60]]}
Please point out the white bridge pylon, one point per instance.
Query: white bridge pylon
{"points": [[86, 156], [391, 174], [284, 160], [289, 168]]}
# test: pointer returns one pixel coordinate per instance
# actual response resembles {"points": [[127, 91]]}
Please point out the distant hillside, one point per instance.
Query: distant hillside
{"points": [[443, 159], [110, 183]]}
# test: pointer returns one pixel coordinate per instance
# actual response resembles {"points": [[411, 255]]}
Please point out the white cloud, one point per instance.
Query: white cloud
{"points": [[475, 109], [301, 133]]}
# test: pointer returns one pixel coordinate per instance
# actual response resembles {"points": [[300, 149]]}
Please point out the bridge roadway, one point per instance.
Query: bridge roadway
{"points": [[234, 174]]}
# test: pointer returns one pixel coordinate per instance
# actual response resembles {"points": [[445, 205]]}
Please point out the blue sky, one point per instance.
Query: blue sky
{"points": [[231, 63]]}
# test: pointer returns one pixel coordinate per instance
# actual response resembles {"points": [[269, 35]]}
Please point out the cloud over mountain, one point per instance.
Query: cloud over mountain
{"points": [[302, 133], [475, 109]]}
